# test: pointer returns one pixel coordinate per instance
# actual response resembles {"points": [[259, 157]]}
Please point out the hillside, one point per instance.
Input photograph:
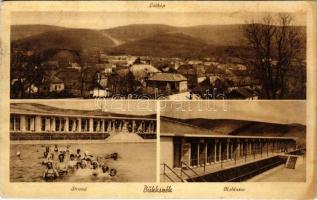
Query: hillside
{"points": [[72, 39], [164, 45], [24, 31], [219, 35], [220, 41], [233, 127], [135, 32]]}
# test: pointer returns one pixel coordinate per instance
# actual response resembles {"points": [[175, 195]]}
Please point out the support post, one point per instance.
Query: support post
{"points": [[22, 123], [91, 125]]}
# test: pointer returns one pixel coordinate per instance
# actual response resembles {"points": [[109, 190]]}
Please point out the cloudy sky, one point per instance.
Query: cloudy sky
{"points": [[104, 20], [284, 112]]}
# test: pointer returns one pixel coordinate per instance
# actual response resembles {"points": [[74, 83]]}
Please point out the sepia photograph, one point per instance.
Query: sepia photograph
{"points": [[57, 141], [158, 55], [233, 143], [166, 99]]}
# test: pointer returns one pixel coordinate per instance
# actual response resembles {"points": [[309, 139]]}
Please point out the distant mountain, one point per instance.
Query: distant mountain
{"points": [[233, 127], [71, 39], [135, 32], [218, 35], [210, 34], [24, 31], [140, 39]]}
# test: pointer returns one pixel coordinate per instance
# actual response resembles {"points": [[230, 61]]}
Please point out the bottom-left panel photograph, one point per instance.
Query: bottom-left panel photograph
{"points": [[82, 141]]}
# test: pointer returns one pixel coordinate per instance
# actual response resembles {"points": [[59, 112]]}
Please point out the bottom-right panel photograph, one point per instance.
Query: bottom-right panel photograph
{"points": [[232, 141]]}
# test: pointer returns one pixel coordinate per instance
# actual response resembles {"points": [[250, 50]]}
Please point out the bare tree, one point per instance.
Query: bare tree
{"points": [[83, 58], [274, 43], [28, 71]]}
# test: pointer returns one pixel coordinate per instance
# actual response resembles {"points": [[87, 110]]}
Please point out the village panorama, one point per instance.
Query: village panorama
{"points": [[255, 60]]}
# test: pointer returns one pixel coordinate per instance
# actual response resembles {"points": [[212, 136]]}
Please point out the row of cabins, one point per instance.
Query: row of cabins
{"points": [[199, 149], [41, 119], [184, 144]]}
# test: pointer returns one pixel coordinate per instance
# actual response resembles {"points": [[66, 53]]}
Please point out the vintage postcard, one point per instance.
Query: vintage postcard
{"points": [[166, 99]]}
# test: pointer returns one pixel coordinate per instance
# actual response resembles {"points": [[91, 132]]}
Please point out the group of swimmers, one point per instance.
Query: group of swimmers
{"points": [[77, 163]]}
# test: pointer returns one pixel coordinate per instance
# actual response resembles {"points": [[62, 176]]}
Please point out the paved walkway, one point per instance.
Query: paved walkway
{"points": [[282, 174], [214, 167]]}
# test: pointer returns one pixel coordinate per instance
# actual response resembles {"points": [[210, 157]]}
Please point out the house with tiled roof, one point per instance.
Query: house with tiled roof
{"points": [[56, 84], [52, 84], [195, 74], [167, 82]]}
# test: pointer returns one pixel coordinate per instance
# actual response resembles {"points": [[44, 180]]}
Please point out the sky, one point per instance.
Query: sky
{"points": [[105, 20], [283, 112]]}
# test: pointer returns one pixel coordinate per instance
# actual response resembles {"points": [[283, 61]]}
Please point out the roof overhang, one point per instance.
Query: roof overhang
{"points": [[223, 136], [83, 116]]}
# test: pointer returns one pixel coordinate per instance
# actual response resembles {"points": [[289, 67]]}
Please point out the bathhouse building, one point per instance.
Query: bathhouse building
{"points": [[189, 152], [37, 121]]}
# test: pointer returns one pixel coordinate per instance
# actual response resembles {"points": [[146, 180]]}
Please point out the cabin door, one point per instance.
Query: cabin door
{"points": [[202, 154], [177, 154], [194, 154]]}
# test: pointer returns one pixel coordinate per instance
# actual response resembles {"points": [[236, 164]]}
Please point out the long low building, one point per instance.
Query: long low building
{"points": [[186, 145], [198, 150], [42, 119]]}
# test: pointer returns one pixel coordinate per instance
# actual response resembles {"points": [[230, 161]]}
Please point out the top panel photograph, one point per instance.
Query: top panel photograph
{"points": [[158, 55]]}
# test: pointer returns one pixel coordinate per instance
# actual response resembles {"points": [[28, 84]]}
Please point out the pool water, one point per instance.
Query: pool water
{"points": [[136, 162]]}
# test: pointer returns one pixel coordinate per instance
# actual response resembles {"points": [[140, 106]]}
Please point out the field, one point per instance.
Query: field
{"points": [[136, 162]]}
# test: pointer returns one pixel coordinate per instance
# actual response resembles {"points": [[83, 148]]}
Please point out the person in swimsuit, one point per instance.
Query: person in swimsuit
{"points": [[113, 172], [95, 168], [72, 162], [47, 149], [55, 151], [78, 154], [106, 171], [50, 173], [46, 158], [88, 158], [113, 156], [68, 149], [19, 155], [62, 166], [56, 148], [104, 168], [83, 164]]}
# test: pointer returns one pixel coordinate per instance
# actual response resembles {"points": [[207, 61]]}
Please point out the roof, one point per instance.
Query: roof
{"points": [[223, 136], [170, 77], [35, 108], [103, 66], [54, 79], [139, 70], [198, 70], [227, 128], [243, 92], [136, 68]]}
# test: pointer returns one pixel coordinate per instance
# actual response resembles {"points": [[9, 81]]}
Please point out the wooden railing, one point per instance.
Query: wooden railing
{"points": [[166, 167], [193, 171]]}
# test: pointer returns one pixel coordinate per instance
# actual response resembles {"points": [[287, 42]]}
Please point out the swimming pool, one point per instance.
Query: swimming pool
{"points": [[136, 161]]}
